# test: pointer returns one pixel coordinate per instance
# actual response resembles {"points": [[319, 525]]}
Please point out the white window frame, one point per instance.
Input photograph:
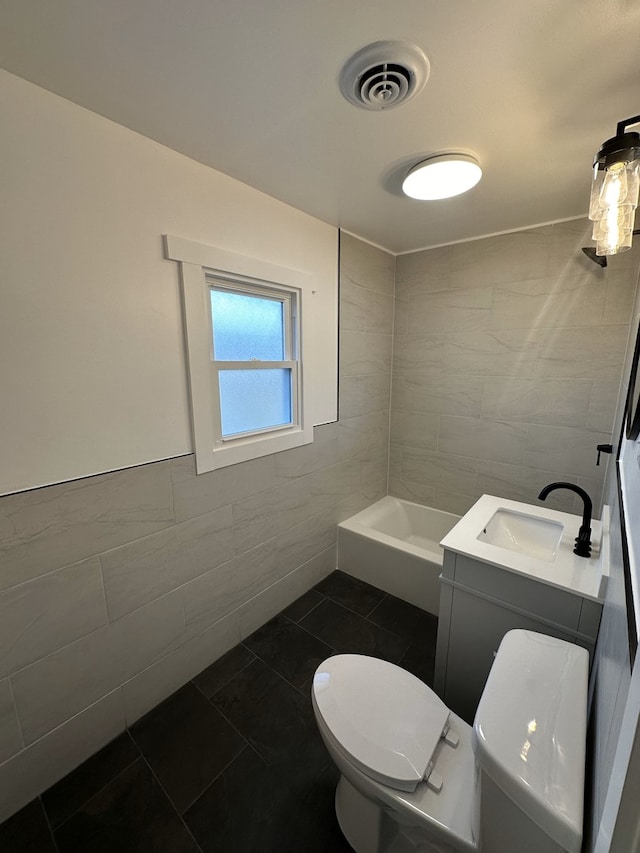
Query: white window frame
{"points": [[201, 268]]}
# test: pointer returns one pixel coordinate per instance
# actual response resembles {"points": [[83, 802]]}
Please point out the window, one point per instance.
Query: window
{"points": [[245, 341], [255, 364]]}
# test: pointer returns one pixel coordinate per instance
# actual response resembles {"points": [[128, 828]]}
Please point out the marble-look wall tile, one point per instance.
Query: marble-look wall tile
{"points": [[563, 402], [409, 491], [45, 762], [321, 453], [439, 470], [275, 598], [593, 485], [550, 302], [415, 429], [572, 451], [602, 405], [458, 504], [496, 353], [400, 316], [423, 271], [143, 570], [365, 310], [362, 438], [621, 288], [552, 333], [364, 353], [301, 543], [582, 353], [147, 689], [198, 494], [436, 391], [55, 688], [418, 351], [450, 310], [331, 485], [220, 591], [500, 441], [518, 483], [42, 615], [507, 258], [49, 528], [357, 501], [365, 265], [260, 517], [362, 394], [10, 737]]}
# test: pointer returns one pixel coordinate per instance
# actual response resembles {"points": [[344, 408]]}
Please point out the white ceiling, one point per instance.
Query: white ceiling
{"points": [[250, 87]]}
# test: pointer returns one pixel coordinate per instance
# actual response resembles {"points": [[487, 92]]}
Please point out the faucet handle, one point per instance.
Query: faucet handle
{"points": [[603, 448]]}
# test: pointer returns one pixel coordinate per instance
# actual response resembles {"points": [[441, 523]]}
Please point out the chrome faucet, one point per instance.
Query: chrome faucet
{"points": [[583, 539]]}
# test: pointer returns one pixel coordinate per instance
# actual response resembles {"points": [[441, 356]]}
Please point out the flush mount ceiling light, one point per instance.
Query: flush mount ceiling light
{"points": [[442, 176], [614, 190]]}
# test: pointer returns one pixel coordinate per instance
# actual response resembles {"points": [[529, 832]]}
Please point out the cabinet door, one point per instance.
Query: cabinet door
{"points": [[477, 627]]}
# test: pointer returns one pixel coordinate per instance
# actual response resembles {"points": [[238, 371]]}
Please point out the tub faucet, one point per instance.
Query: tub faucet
{"points": [[583, 539]]}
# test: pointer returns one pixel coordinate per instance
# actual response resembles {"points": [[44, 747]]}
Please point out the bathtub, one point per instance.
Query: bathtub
{"points": [[393, 544]]}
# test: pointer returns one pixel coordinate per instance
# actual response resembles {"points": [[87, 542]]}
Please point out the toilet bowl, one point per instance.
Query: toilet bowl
{"points": [[415, 778]]}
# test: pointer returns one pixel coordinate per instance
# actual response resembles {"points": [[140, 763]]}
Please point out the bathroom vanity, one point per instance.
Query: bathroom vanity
{"points": [[511, 565]]}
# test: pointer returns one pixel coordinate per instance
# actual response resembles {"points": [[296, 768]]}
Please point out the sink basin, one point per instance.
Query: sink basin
{"points": [[525, 534]]}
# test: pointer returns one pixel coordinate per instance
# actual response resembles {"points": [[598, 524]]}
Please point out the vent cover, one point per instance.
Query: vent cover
{"points": [[384, 75]]}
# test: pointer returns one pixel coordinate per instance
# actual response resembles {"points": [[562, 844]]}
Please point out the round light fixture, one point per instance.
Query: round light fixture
{"points": [[442, 176]]}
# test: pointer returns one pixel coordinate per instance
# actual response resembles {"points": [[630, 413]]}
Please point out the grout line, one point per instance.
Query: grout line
{"points": [[228, 681], [101, 789], [48, 822], [171, 803]]}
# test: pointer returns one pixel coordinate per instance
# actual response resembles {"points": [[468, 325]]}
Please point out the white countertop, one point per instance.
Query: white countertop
{"points": [[579, 575]]}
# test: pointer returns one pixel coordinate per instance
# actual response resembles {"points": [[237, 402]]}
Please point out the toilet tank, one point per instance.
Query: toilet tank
{"points": [[529, 740]]}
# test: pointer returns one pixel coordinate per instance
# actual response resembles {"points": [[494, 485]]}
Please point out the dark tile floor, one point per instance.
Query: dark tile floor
{"points": [[232, 761]]}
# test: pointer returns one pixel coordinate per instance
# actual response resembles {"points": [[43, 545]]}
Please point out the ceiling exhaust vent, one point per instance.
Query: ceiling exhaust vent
{"points": [[384, 75]]}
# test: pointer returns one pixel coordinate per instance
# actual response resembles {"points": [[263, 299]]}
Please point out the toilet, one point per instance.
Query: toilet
{"points": [[416, 778]]}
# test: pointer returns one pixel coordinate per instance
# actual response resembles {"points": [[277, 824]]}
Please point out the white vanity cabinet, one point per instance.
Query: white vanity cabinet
{"points": [[486, 590], [479, 603]]}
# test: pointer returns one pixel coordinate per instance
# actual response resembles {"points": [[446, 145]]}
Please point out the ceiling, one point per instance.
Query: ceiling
{"points": [[250, 87]]}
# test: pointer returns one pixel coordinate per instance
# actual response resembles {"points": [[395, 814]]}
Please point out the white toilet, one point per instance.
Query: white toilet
{"points": [[418, 779]]}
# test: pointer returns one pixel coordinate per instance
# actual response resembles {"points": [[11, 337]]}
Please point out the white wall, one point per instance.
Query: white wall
{"points": [[91, 344]]}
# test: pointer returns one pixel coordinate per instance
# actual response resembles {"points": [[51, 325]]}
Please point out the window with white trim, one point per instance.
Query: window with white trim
{"points": [[245, 345]]}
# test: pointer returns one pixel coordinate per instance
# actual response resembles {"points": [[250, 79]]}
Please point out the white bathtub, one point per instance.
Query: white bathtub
{"points": [[393, 544]]}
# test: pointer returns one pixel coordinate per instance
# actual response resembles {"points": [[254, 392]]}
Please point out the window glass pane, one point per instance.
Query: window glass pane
{"points": [[247, 327], [254, 399]]}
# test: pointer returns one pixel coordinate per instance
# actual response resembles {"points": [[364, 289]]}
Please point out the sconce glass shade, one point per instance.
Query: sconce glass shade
{"points": [[442, 176], [614, 192]]}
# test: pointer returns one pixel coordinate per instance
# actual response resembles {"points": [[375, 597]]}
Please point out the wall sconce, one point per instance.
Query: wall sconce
{"points": [[614, 191]]}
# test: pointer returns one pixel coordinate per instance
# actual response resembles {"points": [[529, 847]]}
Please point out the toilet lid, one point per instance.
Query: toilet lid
{"points": [[385, 719]]}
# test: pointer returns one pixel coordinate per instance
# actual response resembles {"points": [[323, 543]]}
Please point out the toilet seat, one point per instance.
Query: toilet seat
{"points": [[386, 720]]}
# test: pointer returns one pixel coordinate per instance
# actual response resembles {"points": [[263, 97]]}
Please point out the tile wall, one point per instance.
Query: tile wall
{"points": [[506, 366], [117, 589]]}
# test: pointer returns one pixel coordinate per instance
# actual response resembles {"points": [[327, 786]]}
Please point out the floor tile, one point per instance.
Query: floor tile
{"points": [[350, 592], [130, 815], [285, 735], [349, 633], [404, 619], [289, 650], [187, 743], [303, 605], [27, 831], [211, 679], [218, 820], [67, 796], [420, 660]]}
